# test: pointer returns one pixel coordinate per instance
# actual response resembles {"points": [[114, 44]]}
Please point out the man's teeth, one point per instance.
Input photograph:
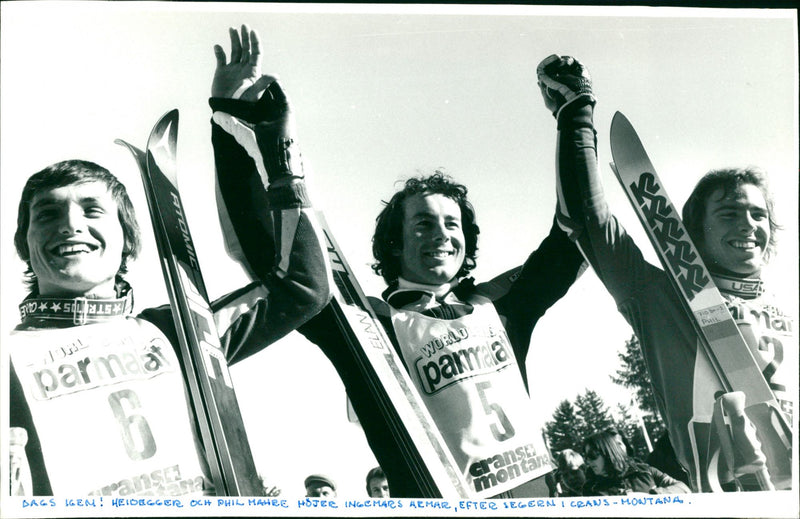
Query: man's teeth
{"points": [[72, 248], [439, 254], [744, 244]]}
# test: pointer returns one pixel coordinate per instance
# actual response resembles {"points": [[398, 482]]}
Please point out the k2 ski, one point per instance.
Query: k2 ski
{"points": [[213, 398], [765, 452], [423, 447]]}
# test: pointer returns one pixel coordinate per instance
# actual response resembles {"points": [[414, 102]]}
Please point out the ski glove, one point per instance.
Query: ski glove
{"points": [[266, 130], [563, 80]]}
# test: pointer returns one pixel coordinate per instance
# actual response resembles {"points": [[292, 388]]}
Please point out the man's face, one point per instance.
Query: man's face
{"points": [[596, 462], [75, 240], [736, 230], [320, 490], [378, 487], [433, 240]]}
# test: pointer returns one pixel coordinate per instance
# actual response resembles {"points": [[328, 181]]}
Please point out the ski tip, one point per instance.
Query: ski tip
{"points": [[619, 118], [172, 115], [125, 144], [168, 118], [620, 125], [165, 128]]}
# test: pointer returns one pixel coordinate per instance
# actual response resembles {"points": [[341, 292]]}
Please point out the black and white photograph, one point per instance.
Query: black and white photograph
{"points": [[289, 259]]}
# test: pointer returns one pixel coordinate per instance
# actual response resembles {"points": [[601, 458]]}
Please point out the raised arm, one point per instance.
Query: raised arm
{"points": [[264, 209], [582, 209]]}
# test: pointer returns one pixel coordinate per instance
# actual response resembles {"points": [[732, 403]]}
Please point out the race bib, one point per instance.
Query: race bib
{"points": [[110, 408], [467, 374]]}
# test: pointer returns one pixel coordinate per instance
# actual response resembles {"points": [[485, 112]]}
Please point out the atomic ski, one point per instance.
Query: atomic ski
{"points": [[741, 451], [213, 398], [423, 447]]}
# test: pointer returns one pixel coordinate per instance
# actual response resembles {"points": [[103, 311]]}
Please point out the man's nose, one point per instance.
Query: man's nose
{"points": [[747, 223], [440, 232], [71, 221]]}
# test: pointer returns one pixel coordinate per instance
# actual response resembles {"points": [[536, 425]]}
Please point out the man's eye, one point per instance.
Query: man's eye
{"points": [[44, 215], [94, 211]]}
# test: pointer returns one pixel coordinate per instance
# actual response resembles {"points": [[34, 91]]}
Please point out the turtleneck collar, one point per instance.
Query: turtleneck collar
{"points": [[76, 310], [406, 292], [436, 290], [746, 288]]}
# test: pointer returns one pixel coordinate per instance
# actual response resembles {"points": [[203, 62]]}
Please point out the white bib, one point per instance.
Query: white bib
{"points": [[467, 374], [110, 408]]}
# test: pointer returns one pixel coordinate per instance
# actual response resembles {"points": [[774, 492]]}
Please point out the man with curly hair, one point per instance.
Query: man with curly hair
{"points": [[464, 344], [457, 338]]}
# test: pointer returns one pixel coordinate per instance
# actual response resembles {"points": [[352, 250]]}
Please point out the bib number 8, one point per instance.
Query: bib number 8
{"points": [[506, 430], [136, 434]]}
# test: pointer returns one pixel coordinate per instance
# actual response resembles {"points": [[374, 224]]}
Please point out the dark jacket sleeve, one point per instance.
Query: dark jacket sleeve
{"points": [[525, 294], [584, 214], [271, 230]]}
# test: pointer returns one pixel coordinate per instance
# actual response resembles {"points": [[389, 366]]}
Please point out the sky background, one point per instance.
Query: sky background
{"points": [[381, 94]]}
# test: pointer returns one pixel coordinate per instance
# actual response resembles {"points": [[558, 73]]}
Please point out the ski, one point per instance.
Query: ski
{"points": [[211, 390], [721, 340], [423, 447]]}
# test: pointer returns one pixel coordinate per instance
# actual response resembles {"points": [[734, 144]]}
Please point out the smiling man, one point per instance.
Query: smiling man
{"points": [[75, 241], [100, 394], [464, 345], [730, 217]]}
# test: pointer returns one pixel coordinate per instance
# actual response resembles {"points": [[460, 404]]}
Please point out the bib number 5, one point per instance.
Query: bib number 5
{"points": [[502, 430]]}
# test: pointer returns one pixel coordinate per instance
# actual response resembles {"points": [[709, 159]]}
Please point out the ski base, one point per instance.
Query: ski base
{"points": [[213, 398]]}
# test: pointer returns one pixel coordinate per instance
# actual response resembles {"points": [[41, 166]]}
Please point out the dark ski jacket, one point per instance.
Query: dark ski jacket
{"points": [[684, 383]]}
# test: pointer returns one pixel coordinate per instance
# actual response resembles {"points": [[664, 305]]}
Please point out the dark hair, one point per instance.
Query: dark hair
{"points": [[389, 224], [606, 444], [376, 473], [67, 173], [694, 210]]}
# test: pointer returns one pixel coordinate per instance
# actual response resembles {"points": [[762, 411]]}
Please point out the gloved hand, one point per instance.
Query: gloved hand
{"points": [[563, 80]]}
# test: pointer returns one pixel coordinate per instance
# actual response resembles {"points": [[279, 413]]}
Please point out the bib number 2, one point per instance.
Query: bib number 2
{"points": [[502, 430], [136, 434]]}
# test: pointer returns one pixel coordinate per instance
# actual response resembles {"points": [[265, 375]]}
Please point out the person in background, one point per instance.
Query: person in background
{"points": [[570, 474], [615, 473], [320, 485], [377, 486]]}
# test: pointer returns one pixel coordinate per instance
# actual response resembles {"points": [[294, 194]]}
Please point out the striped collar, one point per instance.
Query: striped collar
{"points": [[741, 287], [77, 310]]}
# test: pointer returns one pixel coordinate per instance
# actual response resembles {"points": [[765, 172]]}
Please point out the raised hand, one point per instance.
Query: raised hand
{"points": [[562, 80], [240, 78]]}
